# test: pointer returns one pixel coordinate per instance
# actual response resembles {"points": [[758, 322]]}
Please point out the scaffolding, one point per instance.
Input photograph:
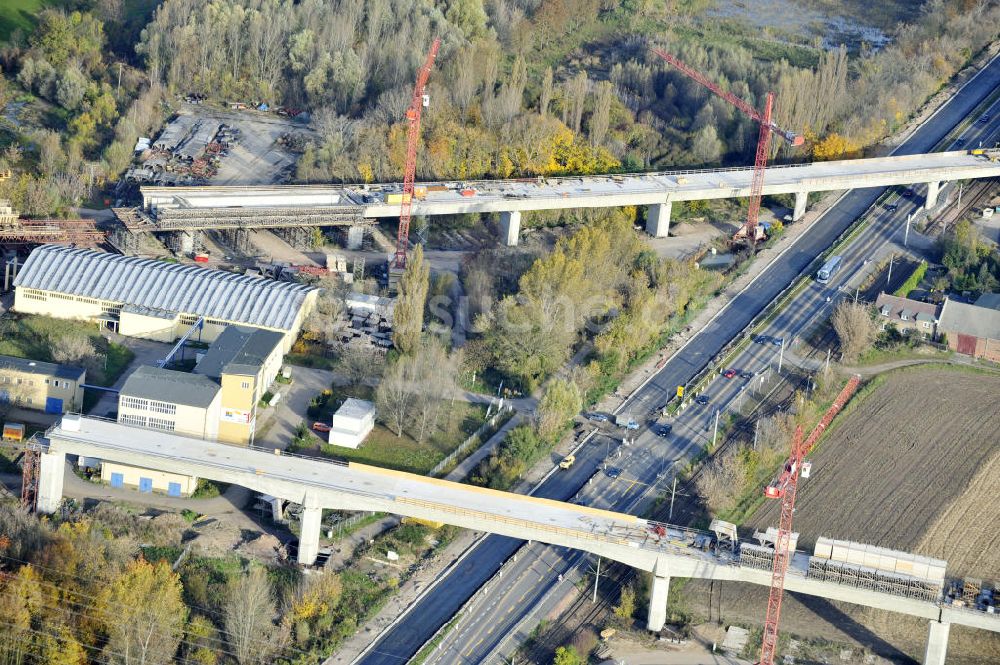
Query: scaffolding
{"points": [[57, 231], [299, 237], [872, 579], [175, 219], [31, 460]]}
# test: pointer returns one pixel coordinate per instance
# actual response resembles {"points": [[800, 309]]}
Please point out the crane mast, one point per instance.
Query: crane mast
{"points": [[784, 488], [767, 127], [409, 174]]}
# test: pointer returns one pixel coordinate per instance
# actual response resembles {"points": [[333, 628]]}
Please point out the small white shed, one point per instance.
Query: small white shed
{"points": [[352, 422]]}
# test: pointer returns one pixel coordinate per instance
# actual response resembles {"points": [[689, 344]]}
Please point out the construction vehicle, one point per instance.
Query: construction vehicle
{"points": [[750, 230]]}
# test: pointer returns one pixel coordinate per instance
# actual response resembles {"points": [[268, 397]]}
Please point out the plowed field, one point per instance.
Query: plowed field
{"points": [[912, 466]]}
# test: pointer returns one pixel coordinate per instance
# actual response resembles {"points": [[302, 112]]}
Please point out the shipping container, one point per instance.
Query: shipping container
{"points": [[394, 199], [13, 431]]}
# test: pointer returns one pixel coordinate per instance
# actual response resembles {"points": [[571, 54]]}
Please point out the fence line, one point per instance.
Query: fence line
{"points": [[492, 423]]}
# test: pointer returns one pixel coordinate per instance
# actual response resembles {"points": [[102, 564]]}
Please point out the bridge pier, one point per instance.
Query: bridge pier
{"points": [[937, 643], [658, 219], [312, 515], [932, 194], [658, 596], [510, 227], [51, 469], [355, 236], [801, 199]]}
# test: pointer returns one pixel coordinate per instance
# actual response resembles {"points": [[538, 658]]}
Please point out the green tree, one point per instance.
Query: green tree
{"points": [[201, 642], [60, 647], [559, 403], [626, 603], [567, 656], [468, 16], [143, 615], [408, 315]]}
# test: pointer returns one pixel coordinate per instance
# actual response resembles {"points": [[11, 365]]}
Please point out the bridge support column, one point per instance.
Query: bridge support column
{"points": [[312, 515], [801, 198], [51, 469], [932, 195], [658, 219], [658, 597], [355, 236], [937, 643], [510, 227]]}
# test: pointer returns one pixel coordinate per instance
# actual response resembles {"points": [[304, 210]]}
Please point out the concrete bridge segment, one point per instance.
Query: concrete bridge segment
{"points": [[317, 484]]}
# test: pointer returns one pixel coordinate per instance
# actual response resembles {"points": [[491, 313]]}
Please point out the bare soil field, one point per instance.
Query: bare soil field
{"points": [[912, 467]]}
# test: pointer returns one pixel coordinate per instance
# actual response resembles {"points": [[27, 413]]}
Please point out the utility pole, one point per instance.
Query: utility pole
{"points": [[118, 90], [597, 577], [715, 433], [756, 431], [857, 292], [781, 354], [826, 370], [673, 493], [888, 279], [906, 234], [959, 204]]}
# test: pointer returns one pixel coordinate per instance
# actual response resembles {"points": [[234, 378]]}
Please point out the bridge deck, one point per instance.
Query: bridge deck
{"points": [[590, 191], [619, 535]]}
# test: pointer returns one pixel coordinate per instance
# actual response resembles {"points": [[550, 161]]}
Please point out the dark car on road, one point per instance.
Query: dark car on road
{"points": [[760, 339], [777, 341], [663, 430], [701, 399], [892, 207], [908, 193], [612, 472], [746, 374]]}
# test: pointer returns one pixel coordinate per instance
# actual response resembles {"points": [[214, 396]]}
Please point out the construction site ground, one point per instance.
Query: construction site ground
{"points": [[911, 466], [258, 158]]}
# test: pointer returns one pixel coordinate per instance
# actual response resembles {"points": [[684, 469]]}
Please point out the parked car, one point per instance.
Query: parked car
{"points": [[777, 341], [663, 430], [321, 427], [759, 339], [598, 417], [729, 373], [701, 399], [567, 462], [892, 207]]}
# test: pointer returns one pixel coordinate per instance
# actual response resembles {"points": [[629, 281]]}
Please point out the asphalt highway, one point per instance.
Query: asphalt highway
{"points": [[645, 464]]}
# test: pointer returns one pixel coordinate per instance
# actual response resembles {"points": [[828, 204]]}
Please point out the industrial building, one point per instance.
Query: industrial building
{"points": [[41, 386], [971, 330], [154, 299], [216, 402]]}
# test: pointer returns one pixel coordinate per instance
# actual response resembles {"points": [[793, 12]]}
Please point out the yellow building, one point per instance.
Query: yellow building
{"points": [[154, 299], [41, 386], [245, 362]]}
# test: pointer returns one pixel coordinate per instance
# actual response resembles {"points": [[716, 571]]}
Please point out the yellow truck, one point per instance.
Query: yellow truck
{"points": [[567, 462]]}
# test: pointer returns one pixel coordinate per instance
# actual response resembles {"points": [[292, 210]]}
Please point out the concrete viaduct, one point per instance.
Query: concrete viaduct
{"points": [[319, 484], [192, 208]]}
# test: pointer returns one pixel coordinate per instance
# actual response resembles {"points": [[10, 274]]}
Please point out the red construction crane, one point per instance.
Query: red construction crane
{"points": [[412, 138], [784, 488], [767, 127]]}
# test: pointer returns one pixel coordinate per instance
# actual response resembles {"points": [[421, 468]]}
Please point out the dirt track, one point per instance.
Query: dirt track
{"points": [[912, 467]]}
